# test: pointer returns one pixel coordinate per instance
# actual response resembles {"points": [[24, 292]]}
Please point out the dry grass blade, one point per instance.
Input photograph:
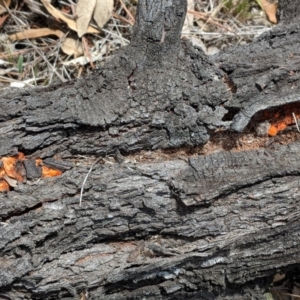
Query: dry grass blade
{"points": [[208, 19], [123, 19], [4, 4], [88, 54], [296, 122], [48, 63], [189, 19], [85, 179], [288, 294]]}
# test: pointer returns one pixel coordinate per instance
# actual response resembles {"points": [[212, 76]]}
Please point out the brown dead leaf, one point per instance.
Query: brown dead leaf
{"points": [[3, 5], [270, 7], [84, 14], [103, 11], [72, 47], [278, 277], [59, 15], [35, 33]]}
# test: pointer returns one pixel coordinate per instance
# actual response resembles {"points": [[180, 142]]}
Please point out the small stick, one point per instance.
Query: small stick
{"points": [[163, 36], [85, 179], [127, 11], [130, 22], [296, 121], [87, 52]]}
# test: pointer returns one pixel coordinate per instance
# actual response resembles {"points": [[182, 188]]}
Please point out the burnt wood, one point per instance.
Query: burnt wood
{"points": [[216, 226]]}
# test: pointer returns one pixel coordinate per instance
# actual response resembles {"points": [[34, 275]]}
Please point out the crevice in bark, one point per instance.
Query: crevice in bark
{"points": [[21, 213], [230, 114]]}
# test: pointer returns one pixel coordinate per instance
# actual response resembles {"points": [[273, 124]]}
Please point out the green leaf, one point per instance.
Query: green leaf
{"points": [[35, 71], [20, 64], [268, 296], [259, 3]]}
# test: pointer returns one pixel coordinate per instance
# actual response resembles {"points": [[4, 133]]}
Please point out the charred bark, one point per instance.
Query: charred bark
{"points": [[165, 221]]}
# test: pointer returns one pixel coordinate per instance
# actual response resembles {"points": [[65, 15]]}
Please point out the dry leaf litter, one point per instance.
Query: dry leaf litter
{"points": [[43, 42]]}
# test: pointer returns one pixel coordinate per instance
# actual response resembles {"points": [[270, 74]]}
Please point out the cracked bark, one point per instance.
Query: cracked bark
{"points": [[202, 227]]}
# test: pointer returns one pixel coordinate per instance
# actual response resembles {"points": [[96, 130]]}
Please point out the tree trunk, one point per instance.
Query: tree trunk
{"points": [[187, 201]]}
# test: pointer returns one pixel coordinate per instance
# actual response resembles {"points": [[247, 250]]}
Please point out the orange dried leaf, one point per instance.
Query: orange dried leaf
{"points": [[275, 128], [2, 172], [9, 165], [4, 186], [49, 172], [272, 130]]}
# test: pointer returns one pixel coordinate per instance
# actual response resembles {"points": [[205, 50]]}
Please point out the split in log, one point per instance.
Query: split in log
{"points": [[191, 199]]}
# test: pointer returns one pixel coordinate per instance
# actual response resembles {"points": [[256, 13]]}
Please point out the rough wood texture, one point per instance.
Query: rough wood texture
{"points": [[201, 227]]}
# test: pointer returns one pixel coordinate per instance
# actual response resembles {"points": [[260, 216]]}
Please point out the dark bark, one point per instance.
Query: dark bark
{"points": [[167, 226], [288, 11]]}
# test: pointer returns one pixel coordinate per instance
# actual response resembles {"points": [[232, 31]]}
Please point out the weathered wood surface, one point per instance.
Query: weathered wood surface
{"points": [[205, 227], [134, 103]]}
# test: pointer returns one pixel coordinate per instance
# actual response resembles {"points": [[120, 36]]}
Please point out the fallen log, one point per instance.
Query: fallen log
{"points": [[190, 198]]}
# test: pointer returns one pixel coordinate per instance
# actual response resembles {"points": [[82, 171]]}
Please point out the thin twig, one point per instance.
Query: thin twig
{"points": [[87, 52], [47, 62], [296, 121], [288, 294], [85, 179], [208, 19], [122, 19], [33, 75], [17, 53], [55, 62], [118, 31], [115, 35], [127, 11]]}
